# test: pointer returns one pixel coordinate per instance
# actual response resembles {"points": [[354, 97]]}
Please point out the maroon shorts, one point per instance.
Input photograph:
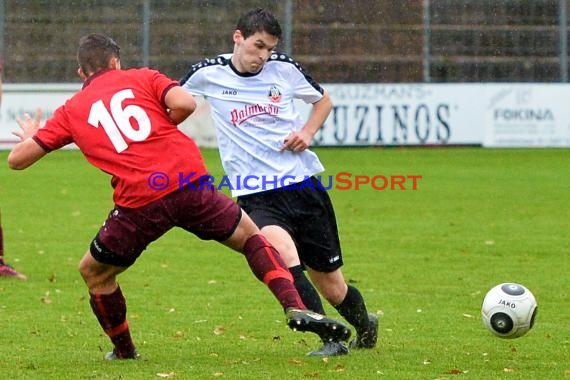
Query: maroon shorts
{"points": [[205, 212]]}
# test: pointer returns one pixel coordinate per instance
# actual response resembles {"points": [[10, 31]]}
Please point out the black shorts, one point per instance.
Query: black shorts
{"points": [[203, 211], [306, 212]]}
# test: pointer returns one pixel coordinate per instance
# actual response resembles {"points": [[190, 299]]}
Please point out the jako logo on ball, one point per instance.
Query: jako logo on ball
{"points": [[509, 310]]}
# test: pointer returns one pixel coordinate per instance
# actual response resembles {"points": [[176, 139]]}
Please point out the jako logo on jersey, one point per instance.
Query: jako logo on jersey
{"points": [[238, 116], [229, 92], [274, 94]]}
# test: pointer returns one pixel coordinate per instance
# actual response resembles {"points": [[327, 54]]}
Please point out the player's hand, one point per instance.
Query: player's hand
{"points": [[297, 142], [28, 125]]}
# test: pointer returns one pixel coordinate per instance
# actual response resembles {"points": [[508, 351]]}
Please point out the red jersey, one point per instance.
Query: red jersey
{"points": [[120, 123]]}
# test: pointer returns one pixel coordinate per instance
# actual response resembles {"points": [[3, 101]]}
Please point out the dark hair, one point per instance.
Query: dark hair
{"points": [[95, 52], [259, 20]]}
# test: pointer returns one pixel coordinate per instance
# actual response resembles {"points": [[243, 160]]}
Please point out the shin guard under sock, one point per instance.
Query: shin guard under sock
{"points": [[268, 267], [111, 312]]}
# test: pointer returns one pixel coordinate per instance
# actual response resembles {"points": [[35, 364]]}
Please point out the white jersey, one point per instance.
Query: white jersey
{"points": [[253, 114]]}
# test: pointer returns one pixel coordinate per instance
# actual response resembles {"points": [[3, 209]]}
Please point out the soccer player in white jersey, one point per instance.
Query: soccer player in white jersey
{"points": [[264, 148]]}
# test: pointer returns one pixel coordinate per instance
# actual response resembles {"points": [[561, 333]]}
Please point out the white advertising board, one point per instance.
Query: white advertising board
{"points": [[492, 115], [402, 114], [527, 115], [18, 99]]}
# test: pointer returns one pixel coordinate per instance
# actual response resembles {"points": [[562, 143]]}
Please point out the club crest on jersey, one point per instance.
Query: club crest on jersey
{"points": [[274, 94]]}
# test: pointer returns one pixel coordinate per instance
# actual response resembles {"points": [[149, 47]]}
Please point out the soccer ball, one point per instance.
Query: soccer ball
{"points": [[509, 310]]}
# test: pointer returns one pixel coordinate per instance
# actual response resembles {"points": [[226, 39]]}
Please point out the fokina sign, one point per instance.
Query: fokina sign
{"points": [[527, 115]]}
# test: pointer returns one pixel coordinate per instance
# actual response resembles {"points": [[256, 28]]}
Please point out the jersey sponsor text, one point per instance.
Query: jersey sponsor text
{"points": [[238, 116]]}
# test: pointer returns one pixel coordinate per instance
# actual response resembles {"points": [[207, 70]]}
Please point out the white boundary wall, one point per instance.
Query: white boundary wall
{"points": [[488, 114]]}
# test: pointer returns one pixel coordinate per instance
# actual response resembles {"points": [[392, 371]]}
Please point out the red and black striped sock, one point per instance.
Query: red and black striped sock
{"points": [[111, 311], [269, 268]]}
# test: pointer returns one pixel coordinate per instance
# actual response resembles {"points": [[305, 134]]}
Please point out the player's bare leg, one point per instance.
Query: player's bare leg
{"points": [[285, 245]]}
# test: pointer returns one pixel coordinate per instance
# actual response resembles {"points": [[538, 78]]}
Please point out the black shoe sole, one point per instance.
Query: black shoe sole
{"points": [[327, 329]]}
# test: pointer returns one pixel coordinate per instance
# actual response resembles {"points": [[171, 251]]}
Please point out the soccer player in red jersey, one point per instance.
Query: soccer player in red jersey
{"points": [[5, 269], [125, 123]]}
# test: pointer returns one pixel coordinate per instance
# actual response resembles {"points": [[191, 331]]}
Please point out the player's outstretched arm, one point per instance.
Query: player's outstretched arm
{"points": [[27, 151]]}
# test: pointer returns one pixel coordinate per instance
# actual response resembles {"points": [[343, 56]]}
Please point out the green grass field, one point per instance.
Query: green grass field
{"points": [[423, 259]]}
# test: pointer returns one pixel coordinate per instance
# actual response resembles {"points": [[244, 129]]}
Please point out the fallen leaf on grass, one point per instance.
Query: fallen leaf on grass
{"points": [[168, 375], [46, 299], [339, 367], [219, 330]]}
